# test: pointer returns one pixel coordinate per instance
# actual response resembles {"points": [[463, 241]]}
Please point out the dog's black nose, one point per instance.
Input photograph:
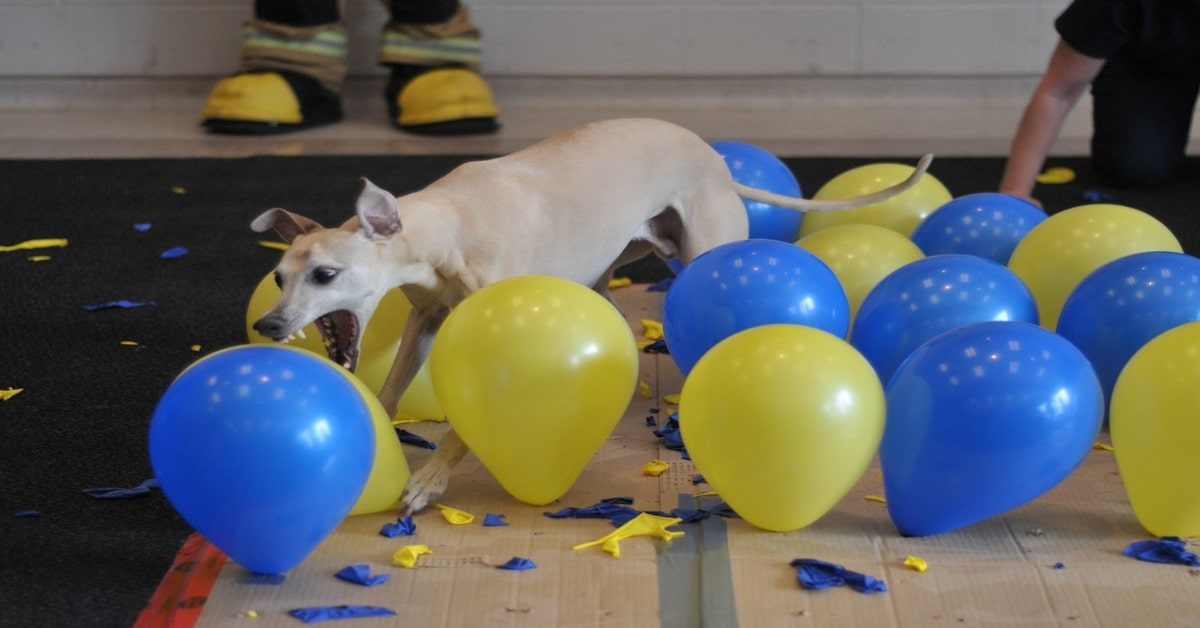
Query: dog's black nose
{"points": [[269, 326]]}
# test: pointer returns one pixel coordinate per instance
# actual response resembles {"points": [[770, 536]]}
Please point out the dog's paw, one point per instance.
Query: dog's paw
{"points": [[424, 488]]}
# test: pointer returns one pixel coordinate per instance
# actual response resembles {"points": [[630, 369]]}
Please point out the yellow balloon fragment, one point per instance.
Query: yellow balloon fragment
{"points": [[39, 243], [655, 468], [10, 392], [619, 282], [782, 421], [644, 390], [1156, 431], [1056, 176], [534, 373], [916, 564], [901, 213], [860, 256], [644, 524], [380, 342], [1066, 247], [454, 516], [651, 329], [407, 556]]}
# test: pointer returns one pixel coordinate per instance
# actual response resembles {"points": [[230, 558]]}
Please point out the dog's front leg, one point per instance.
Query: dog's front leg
{"points": [[430, 481], [416, 341]]}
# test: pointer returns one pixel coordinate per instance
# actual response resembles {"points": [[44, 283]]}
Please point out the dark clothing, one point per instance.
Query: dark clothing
{"points": [[1145, 95]]}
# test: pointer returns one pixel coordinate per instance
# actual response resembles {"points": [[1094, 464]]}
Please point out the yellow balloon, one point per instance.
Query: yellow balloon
{"points": [[902, 213], [534, 373], [782, 421], [389, 472], [1156, 432], [380, 341], [1066, 247], [860, 256]]}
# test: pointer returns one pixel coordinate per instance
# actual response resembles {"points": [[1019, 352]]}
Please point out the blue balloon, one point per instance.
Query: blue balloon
{"points": [[987, 224], [1124, 304], [983, 419], [264, 450], [745, 284], [931, 296], [758, 168]]}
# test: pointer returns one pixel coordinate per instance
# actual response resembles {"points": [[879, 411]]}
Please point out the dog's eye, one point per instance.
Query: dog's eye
{"points": [[322, 276]]}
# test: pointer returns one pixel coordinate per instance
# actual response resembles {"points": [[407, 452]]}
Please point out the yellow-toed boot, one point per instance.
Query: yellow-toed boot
{"points": [[445, 100], [269, 101]]}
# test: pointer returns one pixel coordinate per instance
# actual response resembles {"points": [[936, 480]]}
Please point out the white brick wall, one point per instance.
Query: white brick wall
{"points": [[72, 38]]}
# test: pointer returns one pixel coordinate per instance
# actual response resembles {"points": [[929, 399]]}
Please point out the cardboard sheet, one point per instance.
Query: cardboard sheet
{"points": [[728, 573]]}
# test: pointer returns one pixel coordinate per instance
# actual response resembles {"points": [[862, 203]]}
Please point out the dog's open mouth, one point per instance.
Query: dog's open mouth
{"points": [[339, 332]]}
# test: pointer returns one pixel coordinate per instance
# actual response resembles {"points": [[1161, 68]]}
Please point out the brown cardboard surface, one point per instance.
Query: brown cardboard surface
{"points": [[999, 572]]}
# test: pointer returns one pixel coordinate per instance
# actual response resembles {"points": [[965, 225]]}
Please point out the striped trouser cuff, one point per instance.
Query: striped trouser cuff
{"points": [[399, 47], [319, 52]]}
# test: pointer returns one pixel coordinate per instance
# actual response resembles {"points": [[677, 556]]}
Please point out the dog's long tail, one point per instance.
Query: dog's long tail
{"points": [[809, 205]]}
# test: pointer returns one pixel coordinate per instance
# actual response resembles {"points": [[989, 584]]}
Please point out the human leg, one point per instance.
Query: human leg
{"points": [[293, 62], [434, 51], [1141, 122]]}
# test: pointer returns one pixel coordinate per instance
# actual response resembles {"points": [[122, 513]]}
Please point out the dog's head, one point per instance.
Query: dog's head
{"points": [[335, 277]]}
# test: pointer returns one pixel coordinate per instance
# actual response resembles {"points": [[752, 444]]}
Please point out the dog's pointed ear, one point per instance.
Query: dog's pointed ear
{"points": [[378, 216], [289, 226]]}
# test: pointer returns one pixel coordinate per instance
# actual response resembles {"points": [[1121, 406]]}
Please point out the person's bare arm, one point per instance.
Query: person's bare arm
{"points": [[1067, 77]]}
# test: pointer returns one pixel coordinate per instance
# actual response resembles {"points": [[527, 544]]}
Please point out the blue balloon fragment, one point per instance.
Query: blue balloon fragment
{"points": [[1167, 550], [518, 564], [361, 574], [173, 253], [402, 527], [819, 574], [494, 521], [318, 614], [145, 488]]}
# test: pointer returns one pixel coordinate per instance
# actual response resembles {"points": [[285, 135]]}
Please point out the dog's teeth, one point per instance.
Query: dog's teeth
{"points": [[300, 334]]}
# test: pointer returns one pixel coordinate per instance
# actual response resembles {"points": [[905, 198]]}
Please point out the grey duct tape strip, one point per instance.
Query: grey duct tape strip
{"points": [[695, 583]]}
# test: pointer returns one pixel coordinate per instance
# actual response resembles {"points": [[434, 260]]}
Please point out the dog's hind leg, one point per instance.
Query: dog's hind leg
{"points": [[714, 218]]}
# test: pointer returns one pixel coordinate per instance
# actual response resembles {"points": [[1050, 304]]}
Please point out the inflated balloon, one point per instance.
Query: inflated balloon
{"points": [[744, 284], [901, 213], [782, 421], [389, 472], [380, 342], [860, 256], [1058, 253], [534, 373], [1122, 305], [987, 224], [931, 296], [983, 419], [264, 450], [1156, 432], [758, 168]]}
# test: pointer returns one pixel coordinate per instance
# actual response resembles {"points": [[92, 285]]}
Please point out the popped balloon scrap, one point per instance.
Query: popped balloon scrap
{"points": [[361, 574], [518, 564], [318, 614], [819, 574], [407, 556], [644, 524], [402, 527], [145, 488], [1167, 550]]}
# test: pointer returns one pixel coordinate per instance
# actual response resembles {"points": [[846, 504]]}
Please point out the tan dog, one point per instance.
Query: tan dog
{"points": [[576, 205]]}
